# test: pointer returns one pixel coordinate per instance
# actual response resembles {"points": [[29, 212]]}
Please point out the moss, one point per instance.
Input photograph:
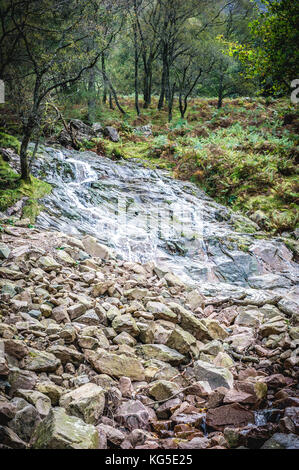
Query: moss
{"points": [[8, 141], [12, 189]]}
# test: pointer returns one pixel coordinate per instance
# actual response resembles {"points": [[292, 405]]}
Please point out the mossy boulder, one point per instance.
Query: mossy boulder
{"points": [[60, 431]]}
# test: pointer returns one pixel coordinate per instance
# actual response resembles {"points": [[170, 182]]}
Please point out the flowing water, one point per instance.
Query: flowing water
{"points": [[145, 215]]}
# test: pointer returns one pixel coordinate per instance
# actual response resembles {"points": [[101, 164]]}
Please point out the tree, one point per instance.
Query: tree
{"points": [[54, 54], [272, 55]]}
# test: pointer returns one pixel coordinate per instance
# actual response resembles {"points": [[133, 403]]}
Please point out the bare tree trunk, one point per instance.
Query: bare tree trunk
{"points": [[28, 129], [136, 82], [91, 96], [110, 100], [105, 90], [170, 101], [163, 79], [220, 93]]}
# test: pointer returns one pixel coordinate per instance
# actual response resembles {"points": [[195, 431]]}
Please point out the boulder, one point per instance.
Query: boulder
{"points": [[160, 352], [182, 341], [111, 133], [94, 248], [61, 431], [214, 375], [161, 311], [229, 415], [133, 415], [41, 402], [86, 402], [125, 323], [40, 361], [163, 389], [282, 441], [115, 365]]}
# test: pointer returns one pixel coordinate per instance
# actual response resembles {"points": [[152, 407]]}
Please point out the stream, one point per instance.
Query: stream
{"points": [[146, 215]]}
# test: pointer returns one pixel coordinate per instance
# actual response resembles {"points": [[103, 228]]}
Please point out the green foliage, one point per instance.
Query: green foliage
{"points": [[273, 55], [12, 189]]}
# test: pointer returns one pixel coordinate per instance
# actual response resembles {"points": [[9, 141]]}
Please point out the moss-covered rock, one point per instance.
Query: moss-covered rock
{"points": [[60, 431]]}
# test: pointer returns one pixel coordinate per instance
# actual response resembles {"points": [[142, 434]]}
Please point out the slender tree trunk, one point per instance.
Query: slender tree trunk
{"points": [[163, 79], [170, 101], [220, 92], [28, 129], [110, 100], [182, 105], [91, 96], [136, 83], [106, 88]]}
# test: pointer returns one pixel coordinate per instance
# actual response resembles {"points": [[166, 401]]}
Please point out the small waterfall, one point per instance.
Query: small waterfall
{"points": [[145, 215]]}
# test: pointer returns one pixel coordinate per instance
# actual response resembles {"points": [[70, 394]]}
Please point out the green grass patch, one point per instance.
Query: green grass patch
{"points": [[12, 189]]}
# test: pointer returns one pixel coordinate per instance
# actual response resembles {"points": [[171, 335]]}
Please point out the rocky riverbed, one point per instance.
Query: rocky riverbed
{"points": [[98, 352]]}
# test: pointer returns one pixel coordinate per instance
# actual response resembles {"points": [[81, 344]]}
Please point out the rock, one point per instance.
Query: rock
{"points": [[125, 338], [111, 133], [41, 402], [40, 361], [4, 251], [275, 326], [125, 323], [97, 128], [268, 281], [50, 389], [182, 341], [115, 365], [223, 360], [133, 415], [161, 311], [249, 316], [114, 436], [163, 389], [48, 263], [289, 306], [214, 375], [156, 332], [60, 431], [165, 410], [136, 293], [126, 388], [146, 131], [89, 318], [76, 310], [10, 439], [7, 411], [68, 333], [160, 352], [193, 325], [282, 441], [59, 314], [173, 281], [215, 330], [290, 420], [235, 396], [23, 379], [196, 443], [195, 300], [229, 415], [66, 354], [86, 402], [15, 348], [65, 257], [94, 248], [25, 420]]}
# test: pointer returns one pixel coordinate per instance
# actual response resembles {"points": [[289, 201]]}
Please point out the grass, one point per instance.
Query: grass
{"points": [[12, 189]]}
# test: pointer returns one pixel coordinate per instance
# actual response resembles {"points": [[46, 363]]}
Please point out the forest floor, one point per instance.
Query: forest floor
{"points": [[244, 155]]}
